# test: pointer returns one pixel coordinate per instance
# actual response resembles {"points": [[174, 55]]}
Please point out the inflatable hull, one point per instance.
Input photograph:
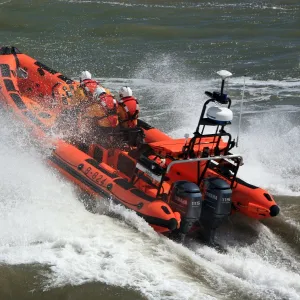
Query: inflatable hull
{"points": [[39, 96]]}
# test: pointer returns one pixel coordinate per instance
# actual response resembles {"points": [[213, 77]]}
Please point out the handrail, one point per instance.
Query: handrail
{"points": [[217, 138], [175, 162]]}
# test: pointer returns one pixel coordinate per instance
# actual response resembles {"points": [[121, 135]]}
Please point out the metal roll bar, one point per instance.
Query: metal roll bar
{"points": [[175, 162]]}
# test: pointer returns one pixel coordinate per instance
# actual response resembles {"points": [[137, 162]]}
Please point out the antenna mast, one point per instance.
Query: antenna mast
{"points": [[240, 119]]}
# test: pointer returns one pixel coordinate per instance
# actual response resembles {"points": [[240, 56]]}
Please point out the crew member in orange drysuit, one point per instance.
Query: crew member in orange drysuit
{"points": [[86, 89], [99, 118], [128, 108]]}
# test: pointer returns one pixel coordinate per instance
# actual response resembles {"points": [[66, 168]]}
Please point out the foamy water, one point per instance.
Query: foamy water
{"points": [[45, 222], [42, 221]]}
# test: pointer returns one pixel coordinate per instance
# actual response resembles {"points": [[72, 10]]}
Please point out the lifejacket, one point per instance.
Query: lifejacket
{"points": [[132, 109], [110, 107], [89, 86]]}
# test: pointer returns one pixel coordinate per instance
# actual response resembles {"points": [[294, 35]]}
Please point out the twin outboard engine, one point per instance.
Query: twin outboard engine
{"points": [[216, 206], [185, 197]]}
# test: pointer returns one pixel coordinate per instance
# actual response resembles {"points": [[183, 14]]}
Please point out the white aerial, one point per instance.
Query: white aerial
{"points": [[224, 74]]}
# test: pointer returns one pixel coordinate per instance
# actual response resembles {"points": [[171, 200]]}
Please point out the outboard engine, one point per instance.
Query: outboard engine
{"points": [[216, 206], [185, 197]]}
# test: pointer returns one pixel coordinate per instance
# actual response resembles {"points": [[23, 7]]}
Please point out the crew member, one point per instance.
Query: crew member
{"points": [[99, 119], [87, 88], [128, 108]]}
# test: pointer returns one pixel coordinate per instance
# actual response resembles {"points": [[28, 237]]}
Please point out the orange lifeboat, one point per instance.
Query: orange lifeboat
{"points": [[176, 185], [37, 94]]}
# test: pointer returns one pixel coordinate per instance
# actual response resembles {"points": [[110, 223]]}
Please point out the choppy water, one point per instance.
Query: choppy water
{"points": [[168, 52]]}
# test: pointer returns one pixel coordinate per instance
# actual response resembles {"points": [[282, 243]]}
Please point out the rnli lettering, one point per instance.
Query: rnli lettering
{"points": [[196, 203]]}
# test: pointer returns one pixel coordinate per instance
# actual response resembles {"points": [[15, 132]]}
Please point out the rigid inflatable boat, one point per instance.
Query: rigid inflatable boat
{"points": [[177, 185]]}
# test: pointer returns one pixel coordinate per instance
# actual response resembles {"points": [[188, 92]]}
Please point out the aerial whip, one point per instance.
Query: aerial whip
{"points": [[240, 119]]}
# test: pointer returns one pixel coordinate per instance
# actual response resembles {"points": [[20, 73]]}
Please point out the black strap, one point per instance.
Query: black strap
{"points": [[13, 51], [9, 50], [131, 117]]}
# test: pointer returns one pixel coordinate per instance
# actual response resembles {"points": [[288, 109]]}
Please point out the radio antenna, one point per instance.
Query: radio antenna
{"points": [[241, 110]]}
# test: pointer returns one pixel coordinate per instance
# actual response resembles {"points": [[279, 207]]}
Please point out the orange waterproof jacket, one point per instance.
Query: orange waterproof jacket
{"points": [[128, 112], [102, 112]]}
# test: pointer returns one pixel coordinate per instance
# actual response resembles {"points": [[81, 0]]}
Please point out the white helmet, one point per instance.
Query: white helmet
{"points": [[99, 91], [85, 75], [125, 91]]}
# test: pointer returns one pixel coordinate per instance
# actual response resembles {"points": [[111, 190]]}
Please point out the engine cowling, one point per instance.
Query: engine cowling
{"points": [[185, 197], [216, 205]]}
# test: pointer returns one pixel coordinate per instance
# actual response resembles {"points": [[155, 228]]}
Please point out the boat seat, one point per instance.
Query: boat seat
{"points": [[133, 137], [83, 147], [126, 164], [98, 152]]}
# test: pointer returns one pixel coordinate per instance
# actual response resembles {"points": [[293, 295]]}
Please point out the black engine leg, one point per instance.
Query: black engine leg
{"points": [[210, 238], [177, 236]]}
